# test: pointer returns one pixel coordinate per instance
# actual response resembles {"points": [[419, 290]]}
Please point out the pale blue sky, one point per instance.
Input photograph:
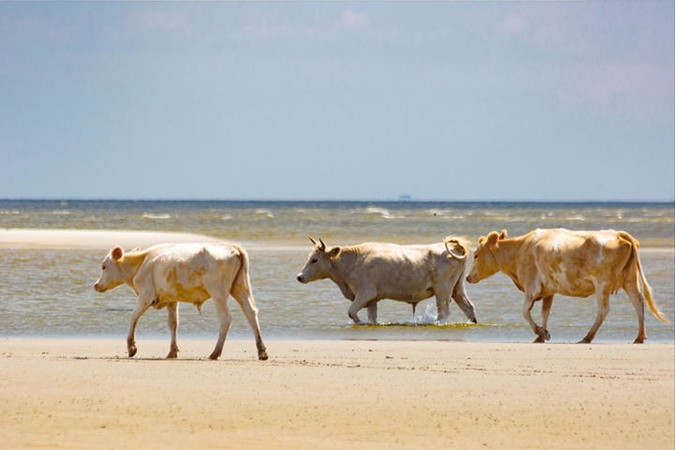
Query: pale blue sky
{"points": [[346, 100]]}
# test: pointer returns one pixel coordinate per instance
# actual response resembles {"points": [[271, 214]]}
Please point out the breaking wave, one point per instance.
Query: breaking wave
{"points": [[156, 216], [382, 212]]}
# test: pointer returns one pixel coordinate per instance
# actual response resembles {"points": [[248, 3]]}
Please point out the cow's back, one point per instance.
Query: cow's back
{"points": [[576, 262], [404, 271], [426, 258], [192, 272]]}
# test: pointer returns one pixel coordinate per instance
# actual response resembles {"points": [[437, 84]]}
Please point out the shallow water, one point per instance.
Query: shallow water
{"points": [[49, 292]]}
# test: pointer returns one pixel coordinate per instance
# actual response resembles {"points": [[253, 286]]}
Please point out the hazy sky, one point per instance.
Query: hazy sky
{"points": [[346, 100]]}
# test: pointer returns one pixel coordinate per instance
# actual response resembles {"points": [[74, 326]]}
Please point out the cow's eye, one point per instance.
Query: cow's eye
{"points": [[103, 267], [314, 260]]}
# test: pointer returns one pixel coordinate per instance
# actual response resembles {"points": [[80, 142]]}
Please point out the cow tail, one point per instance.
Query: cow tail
{"points": [[457, 246], [646, 288], [243, 276]]}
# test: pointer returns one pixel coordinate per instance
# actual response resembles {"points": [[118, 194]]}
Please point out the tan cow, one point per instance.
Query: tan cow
{"points": [[543, 263], [164, 275], [370, 272]]}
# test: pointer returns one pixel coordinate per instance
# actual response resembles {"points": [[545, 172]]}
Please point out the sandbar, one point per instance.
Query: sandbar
{"points": [[91, 239]]}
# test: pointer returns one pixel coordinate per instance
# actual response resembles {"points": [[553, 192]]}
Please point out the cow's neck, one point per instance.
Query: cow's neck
{"points": [[131, 263], [507, 258], [340, 274]]}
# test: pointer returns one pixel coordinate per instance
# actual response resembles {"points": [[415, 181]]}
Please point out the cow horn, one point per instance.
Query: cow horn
{"points": [[320, 245]]}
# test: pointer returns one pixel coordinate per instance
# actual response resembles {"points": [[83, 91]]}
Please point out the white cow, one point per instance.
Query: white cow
{"points": [[543, 263], [166, 274], [370, 272]]}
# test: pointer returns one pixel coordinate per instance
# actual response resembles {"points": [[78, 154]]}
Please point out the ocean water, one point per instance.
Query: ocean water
{"points": [[48, 292]]}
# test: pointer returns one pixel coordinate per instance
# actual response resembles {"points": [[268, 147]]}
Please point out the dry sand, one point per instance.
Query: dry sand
{"points": [[85, 394]]}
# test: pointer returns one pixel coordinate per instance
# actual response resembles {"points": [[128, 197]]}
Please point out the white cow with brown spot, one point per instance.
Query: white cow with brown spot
{"points": [[543, 263], [370, 272], [164, 275]]}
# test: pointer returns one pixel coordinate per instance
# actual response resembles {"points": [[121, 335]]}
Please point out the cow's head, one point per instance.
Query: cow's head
{"points": [[484, 261], [318, 265], [111, 273]]}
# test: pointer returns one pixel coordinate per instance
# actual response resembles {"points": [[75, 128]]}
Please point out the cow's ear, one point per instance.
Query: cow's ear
{"points": [[481, 240], [503, 235], [334, 252], [492, 238], [117, 253], [312, 239]]}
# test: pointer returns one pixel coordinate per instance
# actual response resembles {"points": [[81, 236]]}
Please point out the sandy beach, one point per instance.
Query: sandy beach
{"points": [[86, 394]]}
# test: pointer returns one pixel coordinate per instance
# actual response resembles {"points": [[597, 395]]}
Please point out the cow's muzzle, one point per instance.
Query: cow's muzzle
{"points": [[300, 278]]}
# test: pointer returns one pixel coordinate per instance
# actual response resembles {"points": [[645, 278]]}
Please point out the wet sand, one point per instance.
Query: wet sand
{"points": [[86, 394]]}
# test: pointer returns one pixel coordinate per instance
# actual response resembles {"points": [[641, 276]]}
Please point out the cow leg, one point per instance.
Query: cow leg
{"points": [[546, 304], [542, 333], [464, 303], [638, 302], [414, 317], [372, 312], [172, 322], [225, 319], [442, 306], [363, 298], [141, 307], [247, 304], [602, 298]]}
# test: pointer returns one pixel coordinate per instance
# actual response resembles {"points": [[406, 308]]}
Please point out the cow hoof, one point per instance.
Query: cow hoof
{"points": [[132, 351], [542, 335], [213, 356], [587, 339], [172, 355], [539, 340], [262, 356], [639, 341]]}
